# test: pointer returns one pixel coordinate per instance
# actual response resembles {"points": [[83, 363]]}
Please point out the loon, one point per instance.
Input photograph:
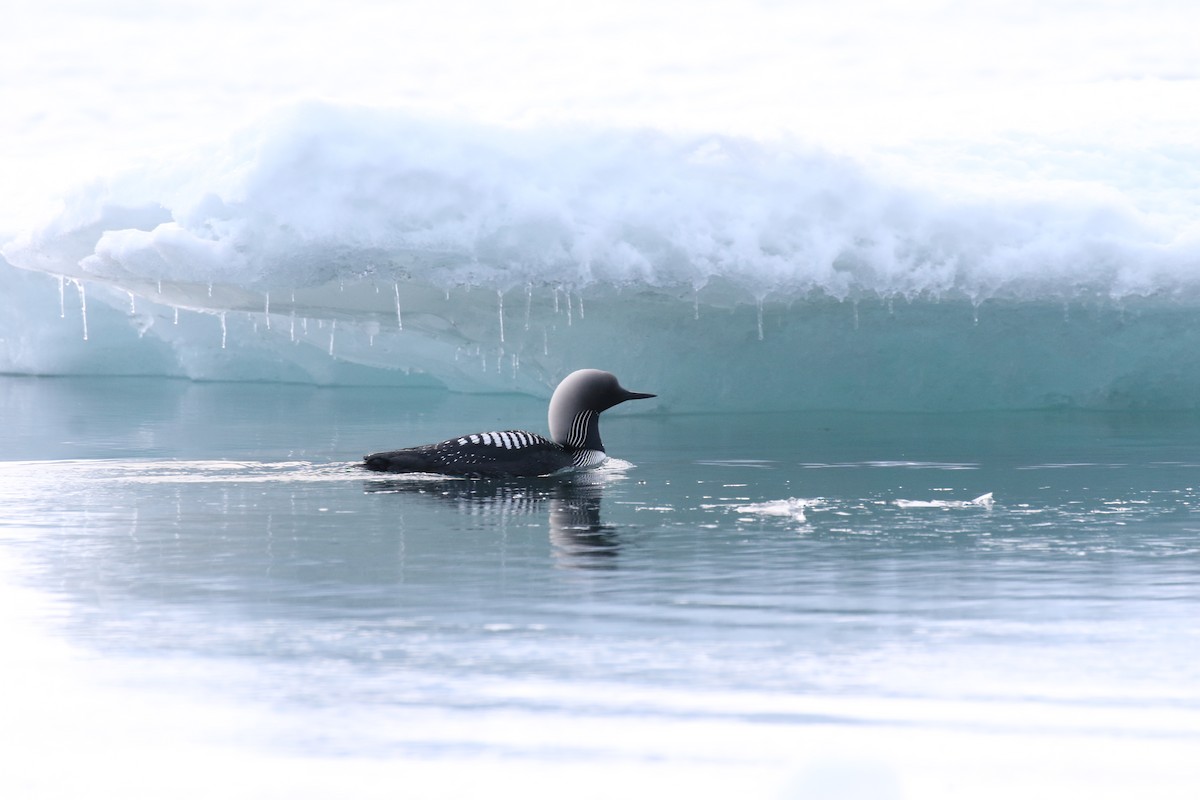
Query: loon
{"points": [[574, 441]]}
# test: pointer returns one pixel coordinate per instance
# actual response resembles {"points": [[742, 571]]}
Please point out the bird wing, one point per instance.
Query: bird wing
{"points": [[494, 453]]}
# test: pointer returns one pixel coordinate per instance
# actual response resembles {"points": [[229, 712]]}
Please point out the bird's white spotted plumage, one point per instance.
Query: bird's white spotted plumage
{"points": [[509, 440]]}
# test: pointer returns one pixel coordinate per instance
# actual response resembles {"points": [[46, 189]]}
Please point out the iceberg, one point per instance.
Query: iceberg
{"points": [[345, 245]]}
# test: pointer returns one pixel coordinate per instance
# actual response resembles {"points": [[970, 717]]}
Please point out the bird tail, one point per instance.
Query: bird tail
{"points": [[396, 461]]}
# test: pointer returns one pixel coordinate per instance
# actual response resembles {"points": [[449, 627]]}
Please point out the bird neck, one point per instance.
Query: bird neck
{"points": [[583, 432]]}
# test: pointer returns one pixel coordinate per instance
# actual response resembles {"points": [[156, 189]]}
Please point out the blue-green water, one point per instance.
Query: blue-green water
{"points": [[203, 596]]}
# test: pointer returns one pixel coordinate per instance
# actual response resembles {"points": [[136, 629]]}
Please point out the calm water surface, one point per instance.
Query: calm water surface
{"points": [[786, 605]]}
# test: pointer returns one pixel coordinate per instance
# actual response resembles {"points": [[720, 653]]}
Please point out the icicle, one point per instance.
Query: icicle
{"points": [[160, 285], [176, 315], [975, 304], [696, 305], [399, 319], [292, 329], [516, 364], [224, 330], [210, 288], [581, 306], [304, 323], [332, 332], [500, 300], [760, 319], [528, 303], [545, 342], [483, 361], [555, 299], [82, 307], [568, 309], [267, 309], [62, 300], [132, 303]]}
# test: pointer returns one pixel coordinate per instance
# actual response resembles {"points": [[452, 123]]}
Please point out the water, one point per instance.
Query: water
{"points": [[201, 570]]}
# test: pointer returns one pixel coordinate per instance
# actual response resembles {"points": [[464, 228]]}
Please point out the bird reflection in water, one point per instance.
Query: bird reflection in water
{"points": [[578, 537]]}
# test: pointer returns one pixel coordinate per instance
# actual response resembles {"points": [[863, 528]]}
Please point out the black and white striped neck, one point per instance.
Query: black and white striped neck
{"points": [[584, 433]]}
